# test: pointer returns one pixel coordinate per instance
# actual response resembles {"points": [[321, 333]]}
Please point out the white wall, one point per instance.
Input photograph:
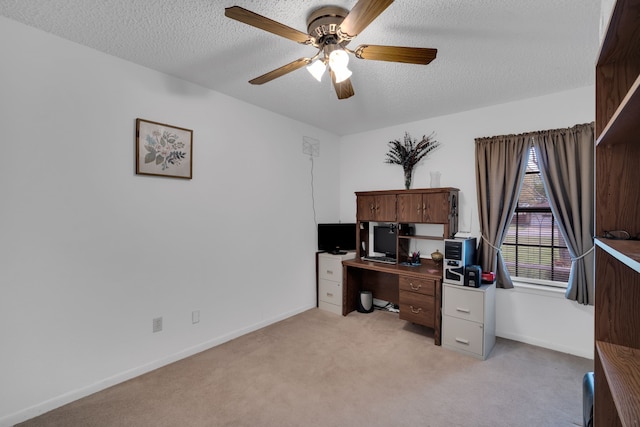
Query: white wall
{"points": [[90, 252], [545, 318], [538, 318]]}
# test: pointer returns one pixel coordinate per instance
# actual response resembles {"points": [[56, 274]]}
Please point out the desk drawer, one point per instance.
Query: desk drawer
{"points": [[422, 286], [462, 335], [464, 303], [330, 291], [417, 308], [330, 269]]}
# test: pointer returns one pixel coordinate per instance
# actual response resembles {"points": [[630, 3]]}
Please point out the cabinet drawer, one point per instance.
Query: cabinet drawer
{"points": [[417, 308], [330, 291], [327, 306], [422, 286], [462, 334], [463, 303], [330, 269]]}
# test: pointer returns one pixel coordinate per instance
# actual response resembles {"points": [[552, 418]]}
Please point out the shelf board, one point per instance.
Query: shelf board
{"points": [[420, 237], [624, 123], [621, 366], [625, 251]]}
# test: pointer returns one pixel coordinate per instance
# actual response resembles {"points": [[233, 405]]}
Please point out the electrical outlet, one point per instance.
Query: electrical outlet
{"points": [[195, 316], [310, 146], [157, 324]]}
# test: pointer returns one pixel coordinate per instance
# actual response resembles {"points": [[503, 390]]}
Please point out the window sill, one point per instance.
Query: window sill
{"points": [[538, 289]]}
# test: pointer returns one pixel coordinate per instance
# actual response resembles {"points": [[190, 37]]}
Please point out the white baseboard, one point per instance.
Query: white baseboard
{"points": [[545, 344], [73, 395]]}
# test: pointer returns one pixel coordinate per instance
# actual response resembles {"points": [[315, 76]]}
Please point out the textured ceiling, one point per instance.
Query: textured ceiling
{"points": [[489, 52]]}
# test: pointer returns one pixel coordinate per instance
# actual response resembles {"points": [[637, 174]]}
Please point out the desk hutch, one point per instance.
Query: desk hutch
{"points": [[416, 290]]}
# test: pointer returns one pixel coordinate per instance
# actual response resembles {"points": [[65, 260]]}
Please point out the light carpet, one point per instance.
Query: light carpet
{"points": [[321, 369]]}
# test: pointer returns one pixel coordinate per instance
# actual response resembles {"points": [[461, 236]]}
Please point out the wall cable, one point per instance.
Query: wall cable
{"points": [[313, 199]]}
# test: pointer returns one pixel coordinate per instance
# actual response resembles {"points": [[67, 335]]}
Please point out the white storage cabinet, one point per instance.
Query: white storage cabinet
{"points": [[330, 281], [469, 319]]}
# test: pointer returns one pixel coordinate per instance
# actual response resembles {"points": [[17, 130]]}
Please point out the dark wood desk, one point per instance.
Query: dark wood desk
{"points": [[416, 289]]}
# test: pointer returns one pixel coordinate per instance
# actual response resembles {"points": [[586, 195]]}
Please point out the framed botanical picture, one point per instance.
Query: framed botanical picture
{"points": [[163, 150]]}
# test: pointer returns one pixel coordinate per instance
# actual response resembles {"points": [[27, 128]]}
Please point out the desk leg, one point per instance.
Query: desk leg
{"points": [[437, 328], [350, 289]]}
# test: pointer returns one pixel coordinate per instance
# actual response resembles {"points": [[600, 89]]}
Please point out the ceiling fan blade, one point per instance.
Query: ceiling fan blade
{"points": [[344, 89], [251, 18], [362, 14], [409, 55], [279, 72]]}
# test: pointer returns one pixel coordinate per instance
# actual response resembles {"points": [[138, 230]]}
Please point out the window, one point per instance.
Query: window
{"points": [[534, 248]]}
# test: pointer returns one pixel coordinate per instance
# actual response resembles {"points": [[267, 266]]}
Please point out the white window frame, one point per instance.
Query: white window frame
{"points": [[542, 283]]}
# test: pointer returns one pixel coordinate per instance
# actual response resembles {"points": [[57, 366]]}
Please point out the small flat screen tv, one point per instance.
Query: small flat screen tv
{"points": [[337, 238], [384, 240]]}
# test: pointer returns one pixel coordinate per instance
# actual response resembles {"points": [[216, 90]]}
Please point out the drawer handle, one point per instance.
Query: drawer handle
{"points": [[329, 294], [463, 310], [329, 271], [414, 311], [415, 288], [462, 341]]}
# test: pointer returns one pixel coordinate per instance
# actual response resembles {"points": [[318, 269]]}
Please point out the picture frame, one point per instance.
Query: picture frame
{"points": [[163, 150]]}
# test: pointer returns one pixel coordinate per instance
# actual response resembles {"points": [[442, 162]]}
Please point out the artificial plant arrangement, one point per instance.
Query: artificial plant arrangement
{"points": [[409, 152]]}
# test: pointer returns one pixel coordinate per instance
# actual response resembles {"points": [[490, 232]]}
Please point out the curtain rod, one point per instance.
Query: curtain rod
{"points": [[534, 133]]}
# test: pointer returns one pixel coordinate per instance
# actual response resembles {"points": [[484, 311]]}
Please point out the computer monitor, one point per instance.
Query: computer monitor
{"points": [[385, 240]]}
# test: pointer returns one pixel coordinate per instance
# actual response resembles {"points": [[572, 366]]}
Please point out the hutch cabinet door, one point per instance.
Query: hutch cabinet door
{"points": [[386, 211], [436, 207], [410, 207], [380, 208], [366, 206]]}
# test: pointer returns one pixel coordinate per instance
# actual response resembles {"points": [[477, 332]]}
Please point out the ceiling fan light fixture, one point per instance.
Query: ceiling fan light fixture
{"points": [[338, 59], [317, 68], [341, 74]]}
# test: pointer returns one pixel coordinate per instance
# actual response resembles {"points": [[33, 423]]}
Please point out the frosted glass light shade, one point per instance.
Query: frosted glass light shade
{"points": [[341, 74], [316, 68], [338, 59]]}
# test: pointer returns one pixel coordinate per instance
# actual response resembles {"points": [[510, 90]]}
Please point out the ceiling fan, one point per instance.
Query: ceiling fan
{"points": [[330, 29]]}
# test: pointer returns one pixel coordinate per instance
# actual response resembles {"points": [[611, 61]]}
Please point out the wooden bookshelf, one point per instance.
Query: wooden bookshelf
{"points": [[617, 278]]}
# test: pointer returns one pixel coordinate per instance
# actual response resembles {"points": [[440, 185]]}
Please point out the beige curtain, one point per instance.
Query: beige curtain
{"points": [[566, 158], [501, 162]]}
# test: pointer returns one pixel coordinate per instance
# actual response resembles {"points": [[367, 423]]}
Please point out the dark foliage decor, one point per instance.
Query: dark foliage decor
{"points": [[409, 152]]}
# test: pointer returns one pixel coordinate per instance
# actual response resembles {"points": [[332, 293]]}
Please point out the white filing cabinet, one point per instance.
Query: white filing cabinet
{"points": [[469, 319], [330, 281]]}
